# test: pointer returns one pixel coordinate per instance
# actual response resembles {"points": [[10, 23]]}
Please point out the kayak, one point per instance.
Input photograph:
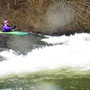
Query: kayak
{"points": [[15, 33]]}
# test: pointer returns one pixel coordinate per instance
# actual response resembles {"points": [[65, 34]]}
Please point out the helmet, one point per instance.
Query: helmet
{"points": [[6, 22]]}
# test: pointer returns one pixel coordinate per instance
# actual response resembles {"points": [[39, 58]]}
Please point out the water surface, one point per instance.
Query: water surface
{"points": [[37, 62]]}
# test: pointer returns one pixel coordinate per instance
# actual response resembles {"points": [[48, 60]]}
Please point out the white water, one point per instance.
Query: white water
{"points": [[71, 50]]}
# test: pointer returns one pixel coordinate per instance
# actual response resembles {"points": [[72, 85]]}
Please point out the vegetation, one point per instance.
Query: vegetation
{"points": [[47, 16]]}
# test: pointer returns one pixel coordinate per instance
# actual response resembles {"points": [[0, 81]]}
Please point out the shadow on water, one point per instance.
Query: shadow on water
{"points": [[21, 44]]}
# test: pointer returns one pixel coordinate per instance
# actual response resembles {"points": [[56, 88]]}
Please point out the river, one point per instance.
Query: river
{"points": [[42, 62]]}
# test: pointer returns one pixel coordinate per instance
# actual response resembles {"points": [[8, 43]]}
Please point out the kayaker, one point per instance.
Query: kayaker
{"points": [[6, 27]]}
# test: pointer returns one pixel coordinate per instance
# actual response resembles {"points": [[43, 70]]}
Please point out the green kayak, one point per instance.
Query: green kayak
{"points": [[15, 33]]}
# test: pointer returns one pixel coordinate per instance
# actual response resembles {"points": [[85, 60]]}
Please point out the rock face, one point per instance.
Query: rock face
{"points": [[53, 17]]}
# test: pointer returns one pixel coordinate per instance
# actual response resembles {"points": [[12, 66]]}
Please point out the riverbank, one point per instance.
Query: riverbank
{"points": [[53, 17]]}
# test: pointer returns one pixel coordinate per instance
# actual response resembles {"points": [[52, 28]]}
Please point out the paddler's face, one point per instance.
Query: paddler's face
{"points": [[8, 23]]}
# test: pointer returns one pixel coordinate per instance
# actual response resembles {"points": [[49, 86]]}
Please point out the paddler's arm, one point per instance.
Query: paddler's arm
{"points": [[8, 27]]}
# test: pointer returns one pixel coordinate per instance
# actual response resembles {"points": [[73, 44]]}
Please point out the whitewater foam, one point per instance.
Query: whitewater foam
{"points": [[74, 51]]}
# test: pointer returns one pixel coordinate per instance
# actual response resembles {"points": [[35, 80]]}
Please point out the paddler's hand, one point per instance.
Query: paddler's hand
{"points": [[14, 26]]}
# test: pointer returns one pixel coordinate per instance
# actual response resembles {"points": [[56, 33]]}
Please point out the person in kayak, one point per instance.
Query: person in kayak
{"points": [[6, 27]]}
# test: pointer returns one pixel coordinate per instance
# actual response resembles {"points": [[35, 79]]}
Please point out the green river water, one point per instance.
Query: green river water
{"points": [[63, 79]]}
